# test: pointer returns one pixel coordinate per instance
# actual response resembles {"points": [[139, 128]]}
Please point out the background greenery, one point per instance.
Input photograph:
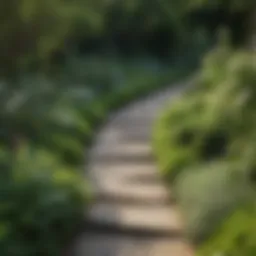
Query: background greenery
{"points": [[63, 66]]}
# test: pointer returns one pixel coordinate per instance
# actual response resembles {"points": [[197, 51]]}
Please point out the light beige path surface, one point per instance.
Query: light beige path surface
{"points": [[133, 214]]}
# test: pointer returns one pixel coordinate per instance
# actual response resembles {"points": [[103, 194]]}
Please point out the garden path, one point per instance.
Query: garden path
{"points": [[133, 214]]}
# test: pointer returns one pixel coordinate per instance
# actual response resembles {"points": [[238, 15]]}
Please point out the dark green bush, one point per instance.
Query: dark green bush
{"points": [[42, 202], [63, 130], [66, 134], [214, 145]]}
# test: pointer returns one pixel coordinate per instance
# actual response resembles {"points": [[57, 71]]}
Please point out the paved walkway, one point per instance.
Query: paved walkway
{"points": [[133, 213]]}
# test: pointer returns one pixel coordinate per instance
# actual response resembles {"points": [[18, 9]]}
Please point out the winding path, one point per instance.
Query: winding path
{"points": [[133, 213]]}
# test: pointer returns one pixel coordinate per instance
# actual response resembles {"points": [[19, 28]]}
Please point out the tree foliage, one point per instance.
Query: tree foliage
{"points": [[33, 29]]}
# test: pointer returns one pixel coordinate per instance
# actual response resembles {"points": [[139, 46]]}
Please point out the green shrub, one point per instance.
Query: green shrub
{"points": [[236, 236], [66, 133], [208, 194], [99, 73], [205, 145], [179, 130], [210, 123], [41, 204]]}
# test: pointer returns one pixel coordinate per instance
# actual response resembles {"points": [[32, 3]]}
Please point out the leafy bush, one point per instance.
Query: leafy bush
{"points": [[236, 236], [209, 194], [210, 123], [65, 132], [99, 73], [42, 202], [205, 146]]}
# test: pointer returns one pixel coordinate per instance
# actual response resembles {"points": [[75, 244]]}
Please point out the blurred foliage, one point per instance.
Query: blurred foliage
{"points": [[236, 236], [53, 94], [215, 119], [209, 194], [35, 32], [205, 145], [42, 202], [32, 30]]}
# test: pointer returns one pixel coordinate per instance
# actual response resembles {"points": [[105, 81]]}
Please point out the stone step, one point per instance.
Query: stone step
{"points": [[125, 158], [139, 194], [92, 226], [146, 135], [101, 174], [137, 125], [128, 170], [138, 183], [143, 114], [121, 149], [97, 244], [118, 138], [159, 219], [133, 199]]}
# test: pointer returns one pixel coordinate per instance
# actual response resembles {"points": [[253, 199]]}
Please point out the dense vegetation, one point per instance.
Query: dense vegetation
{"points": [[63, 66], [205, 147], [43, 144]]}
